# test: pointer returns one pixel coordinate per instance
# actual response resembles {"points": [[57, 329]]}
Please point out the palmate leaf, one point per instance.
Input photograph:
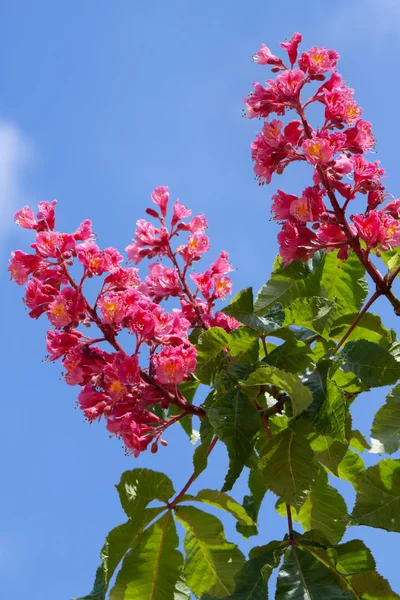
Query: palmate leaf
{"points": [[242, 309], [351, 468], [327, 451], [300, 395], [314, 312], [152, 569], [139, 487], [378, 496], [188, 389], [211, 562], [297, 280], [324, 509], [328, 410], [210, 355], [288, 466], [372, 363], [291, 356], [385, 433], [224, 502], [344, 283], [235, 420], [252, 579], [243, 345], [252, 502], [340, 572], [369, 328], [304, 577]]}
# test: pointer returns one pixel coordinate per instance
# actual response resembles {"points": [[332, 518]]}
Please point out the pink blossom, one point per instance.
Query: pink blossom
{"points": [[126, 368], [378, 229], [136, 436], [198, 243], [81, 364], [84, 232], [271, 133], [367, 175], [224, 321], [60, 342], [123, 278], [203, 282], [46, 216], [393, 208], [142, 322], [292, 47], [360, 137], [173, 364], [221, 264], [180, 212], [296, 242], [112, 307], [92, 402], [265, 57], [50, 244], [163, 281], [22, 265], [263, 101], [281, 204], [25, 218], [318, 150], [222, 286], [289, 84], [68, 307], [198, 224], [160, 196], [293, 132], [38, 296], [149, 242], [318, 61]]}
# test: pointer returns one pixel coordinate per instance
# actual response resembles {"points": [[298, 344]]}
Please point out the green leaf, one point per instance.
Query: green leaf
{"points": [[297, 280], [188, 389], [200, 456], [385, 433], [374, 365], [252, 502], [152, 568], [211, 562], [252, 579], [331, 572], [324, 509], [121, 538], [351, 468], [210, 355], [243, 345], [292, 356], [358, 441], [344, 283], [288, 465], [223, 501], [242, 309], [328, 410], [235, 421], [369, 328], [313, 312], [327, 451], [300, 395], [304, 577], [378, 496], [139, 487]]}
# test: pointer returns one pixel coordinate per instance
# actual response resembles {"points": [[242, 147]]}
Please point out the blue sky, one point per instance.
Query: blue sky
{"points": [[100, 103]]}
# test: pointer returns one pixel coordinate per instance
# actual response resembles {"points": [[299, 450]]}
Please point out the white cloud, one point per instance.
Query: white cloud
{"points": [[16, 154]]}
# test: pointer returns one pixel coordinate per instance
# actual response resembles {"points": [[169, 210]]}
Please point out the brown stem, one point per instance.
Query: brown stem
{"points": [[381, 283], [290, 522], [192, 478], [264, 345], [358, 318]]}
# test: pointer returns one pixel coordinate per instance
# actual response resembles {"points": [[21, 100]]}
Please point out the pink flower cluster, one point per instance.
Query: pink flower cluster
{"points": [[114, 383], [335, 150]]}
